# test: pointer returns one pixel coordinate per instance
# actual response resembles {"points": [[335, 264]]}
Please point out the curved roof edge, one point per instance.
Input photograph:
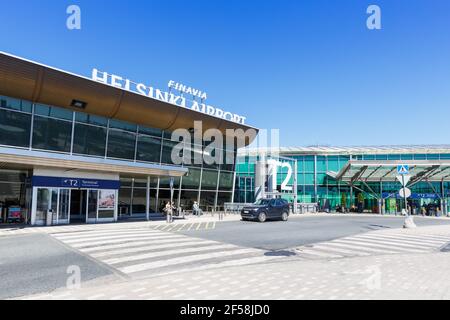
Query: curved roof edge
{"points": [[29, 80]]}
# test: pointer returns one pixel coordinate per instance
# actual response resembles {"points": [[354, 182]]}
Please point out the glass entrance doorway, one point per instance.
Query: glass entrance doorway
{"points": [[54, 204], [78, 206], [64, 206]]}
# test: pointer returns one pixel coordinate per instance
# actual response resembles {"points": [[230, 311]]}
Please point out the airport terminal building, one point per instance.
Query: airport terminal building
{"points": [[92, 152], [359, 179]]}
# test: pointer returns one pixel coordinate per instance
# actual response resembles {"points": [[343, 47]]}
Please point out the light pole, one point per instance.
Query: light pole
{"points": [[404, 195]]}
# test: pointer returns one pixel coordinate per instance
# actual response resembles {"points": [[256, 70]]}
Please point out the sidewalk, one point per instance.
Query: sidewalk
{"points": [[402, 276], [26, 229]]}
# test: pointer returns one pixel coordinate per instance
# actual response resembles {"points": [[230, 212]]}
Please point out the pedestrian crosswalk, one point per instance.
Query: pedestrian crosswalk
{"points": [[170, 227], [188, 226], [373, 244], [147, 251]]}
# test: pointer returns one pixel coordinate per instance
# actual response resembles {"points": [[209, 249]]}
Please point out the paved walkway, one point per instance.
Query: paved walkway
{"points": [[404, 275]]}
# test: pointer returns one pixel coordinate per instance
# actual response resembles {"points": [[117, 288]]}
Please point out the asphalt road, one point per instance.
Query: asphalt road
{"points": [[278, 235], [36, 263]]}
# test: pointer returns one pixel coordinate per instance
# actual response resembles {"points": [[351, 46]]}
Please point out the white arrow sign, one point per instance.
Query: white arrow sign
{"points": [[404, 179]]}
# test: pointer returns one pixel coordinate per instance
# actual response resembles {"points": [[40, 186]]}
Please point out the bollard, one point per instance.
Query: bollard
{"points": [[409, 221]]}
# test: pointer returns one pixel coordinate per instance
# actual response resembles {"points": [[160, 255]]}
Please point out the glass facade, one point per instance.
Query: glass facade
{"points": [[315, 186], [52, 129]]}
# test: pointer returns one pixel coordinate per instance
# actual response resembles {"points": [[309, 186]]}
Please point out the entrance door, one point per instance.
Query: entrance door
{"points": [[78, 205], [47, 200], [63, 207], [92, 206]]}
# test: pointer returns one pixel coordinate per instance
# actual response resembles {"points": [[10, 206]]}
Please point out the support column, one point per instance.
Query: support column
{"points": [[295, 187], [315, 180], [380, 201], [147, 202], [443, 200], [351, 197]]}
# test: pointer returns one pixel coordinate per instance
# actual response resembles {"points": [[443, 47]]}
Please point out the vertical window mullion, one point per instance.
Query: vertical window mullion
{"points": [[107, 138], [32, 126], [73, 133], [136, 143]]}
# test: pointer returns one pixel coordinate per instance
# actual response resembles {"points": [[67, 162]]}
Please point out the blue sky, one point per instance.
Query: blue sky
{"points": [[310, 68]]}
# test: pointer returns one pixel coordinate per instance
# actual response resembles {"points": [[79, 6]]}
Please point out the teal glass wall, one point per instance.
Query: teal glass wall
{"points": [[315, 186]]}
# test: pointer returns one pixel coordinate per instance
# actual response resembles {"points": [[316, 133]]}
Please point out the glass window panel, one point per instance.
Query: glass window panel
{"points": [[52, 134], [394, 157], [164, 182], [167, 151], [309, 178], [15, 104], [15, 128], [150, 131], [209, 179], [139, 200], [89, 140], [321, 178], [207, 199], [54, 112], [124, 201], [121, 144], [381, 157], [142, 183], [406, 157], [309, 164], [420, 156], [149, 149], [228, 160], [117, 124], [91, 119], [321, 164], [192, 180], [164, 197], [333, 163], [187, 199], [125, 182], [167, 135], [301, 178], [224, 197], [309, 195], [214, 155], [226, 181]]}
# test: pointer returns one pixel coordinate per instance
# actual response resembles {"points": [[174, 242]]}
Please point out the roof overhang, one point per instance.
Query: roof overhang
{"points": [[386, 170], [27, 159], [28, 80]]}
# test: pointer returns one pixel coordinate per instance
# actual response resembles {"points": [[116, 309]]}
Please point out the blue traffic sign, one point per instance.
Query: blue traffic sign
{"points": [[403, 169]]}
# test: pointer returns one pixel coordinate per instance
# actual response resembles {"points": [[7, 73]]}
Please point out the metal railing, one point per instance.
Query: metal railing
{"points": [[230, 207]]}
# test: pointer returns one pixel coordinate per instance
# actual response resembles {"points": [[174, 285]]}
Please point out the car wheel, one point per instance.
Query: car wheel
{"points": [[262, 217], [284, 216]]}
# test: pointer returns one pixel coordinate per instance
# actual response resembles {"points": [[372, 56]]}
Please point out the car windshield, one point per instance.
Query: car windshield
{"points": [[262, 202]]}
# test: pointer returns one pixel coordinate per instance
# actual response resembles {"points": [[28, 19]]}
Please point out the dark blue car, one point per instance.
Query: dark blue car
{"points": [[266, 209]]}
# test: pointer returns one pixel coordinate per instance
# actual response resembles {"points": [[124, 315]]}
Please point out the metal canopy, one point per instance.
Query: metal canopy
{"points": [[386, 170]]}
